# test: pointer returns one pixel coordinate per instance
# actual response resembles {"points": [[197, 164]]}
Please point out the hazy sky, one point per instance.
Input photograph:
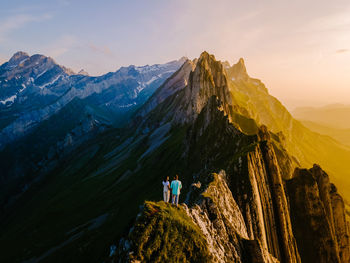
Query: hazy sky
{"points": [[299, 49]]}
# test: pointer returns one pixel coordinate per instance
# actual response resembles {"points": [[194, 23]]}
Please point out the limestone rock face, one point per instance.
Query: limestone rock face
{"points": [[289, 247], [208, 79], [340, 224], [238, 71], [259, 190], [220, 219], [318, 217]]}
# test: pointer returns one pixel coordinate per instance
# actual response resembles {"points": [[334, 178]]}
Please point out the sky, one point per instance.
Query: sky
{"points": [[299, 49]]}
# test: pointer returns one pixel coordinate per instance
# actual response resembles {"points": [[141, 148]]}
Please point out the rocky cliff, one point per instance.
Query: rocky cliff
{"points": [[261, 226], [249, 212], [318, 217]]}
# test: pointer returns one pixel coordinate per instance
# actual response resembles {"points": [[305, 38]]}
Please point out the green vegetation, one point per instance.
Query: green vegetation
{"points": [[164, 233], [88, 184]]}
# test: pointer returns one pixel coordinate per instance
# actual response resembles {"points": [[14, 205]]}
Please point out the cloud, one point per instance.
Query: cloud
{"points": [[17, 21], [61, 46], [101, 49], [343, 50]]}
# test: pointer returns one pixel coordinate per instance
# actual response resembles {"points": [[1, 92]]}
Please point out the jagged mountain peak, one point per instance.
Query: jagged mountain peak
{"points": [[18, 57], [205, 55], [226, 64], [83, 72], [208, 60], [183, 59], [208, 79], [193, 86], [22, 61], [239, 71]]}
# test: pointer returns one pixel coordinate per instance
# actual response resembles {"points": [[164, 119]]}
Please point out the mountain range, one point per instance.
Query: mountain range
{"points": [[47, 110], [332, 120], [82, 154]]}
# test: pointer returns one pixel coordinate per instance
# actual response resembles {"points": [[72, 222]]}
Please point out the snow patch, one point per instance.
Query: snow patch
{"points": [[127, 105], [9, 99], [30, 81], [151, 80], [50, 83], [13, 97], [41, 73], [166, 72], [22, 61], [140, 87], [23, 88]]}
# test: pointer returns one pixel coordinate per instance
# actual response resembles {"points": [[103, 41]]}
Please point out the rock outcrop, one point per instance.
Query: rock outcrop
{"points": [[222, 223], [238, 71], [318, 217], [208, 79]]}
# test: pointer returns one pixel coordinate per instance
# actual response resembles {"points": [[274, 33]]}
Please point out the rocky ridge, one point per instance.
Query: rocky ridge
{"points": [[248, 213]]}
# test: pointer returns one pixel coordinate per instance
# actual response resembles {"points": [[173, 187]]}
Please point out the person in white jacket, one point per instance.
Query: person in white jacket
{"points": [[166, 189]]}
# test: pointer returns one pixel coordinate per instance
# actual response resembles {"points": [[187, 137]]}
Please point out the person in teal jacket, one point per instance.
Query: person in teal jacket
{"points": [[175, 188]]}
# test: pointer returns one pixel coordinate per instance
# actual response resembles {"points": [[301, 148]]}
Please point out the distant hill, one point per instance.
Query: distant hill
{"points": [[341, 135], [335, 115]]}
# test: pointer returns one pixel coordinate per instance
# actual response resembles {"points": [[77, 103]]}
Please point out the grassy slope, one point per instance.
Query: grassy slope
{"points": [[49, 212], [29, 150], [163, 233]]}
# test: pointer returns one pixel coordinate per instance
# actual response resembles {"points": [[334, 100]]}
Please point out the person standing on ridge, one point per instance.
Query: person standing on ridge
{"points": [[166, 189], [176, 187]]}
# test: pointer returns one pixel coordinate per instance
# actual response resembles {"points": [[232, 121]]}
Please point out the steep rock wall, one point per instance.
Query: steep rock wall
{"points": [[318, 217]]}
